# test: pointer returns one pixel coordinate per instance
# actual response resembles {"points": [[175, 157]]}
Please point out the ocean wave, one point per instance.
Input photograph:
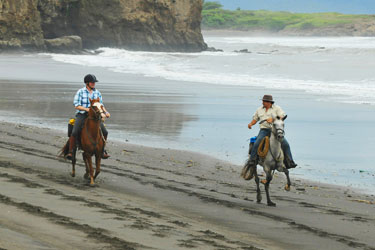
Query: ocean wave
{"points": [[226, 68]]}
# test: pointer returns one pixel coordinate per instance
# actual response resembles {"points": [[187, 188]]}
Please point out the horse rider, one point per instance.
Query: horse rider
{"points": [[264, 114], [82, 105]]}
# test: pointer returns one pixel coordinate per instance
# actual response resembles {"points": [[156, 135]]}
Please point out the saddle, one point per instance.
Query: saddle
{"points": [[78, 139]]}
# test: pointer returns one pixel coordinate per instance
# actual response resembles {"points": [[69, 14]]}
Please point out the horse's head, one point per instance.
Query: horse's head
{"points": [[97, 108], [278, 127]]}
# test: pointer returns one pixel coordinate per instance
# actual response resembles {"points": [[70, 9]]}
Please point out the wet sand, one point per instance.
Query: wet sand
{"points": [[150, 198]]}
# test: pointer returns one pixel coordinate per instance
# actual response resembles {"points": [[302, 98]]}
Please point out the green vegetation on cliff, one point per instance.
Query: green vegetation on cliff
{"points": [[215, 17]]}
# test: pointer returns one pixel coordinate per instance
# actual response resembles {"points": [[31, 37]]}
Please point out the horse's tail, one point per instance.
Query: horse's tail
{"points": [[65, 150], [247, 171]]}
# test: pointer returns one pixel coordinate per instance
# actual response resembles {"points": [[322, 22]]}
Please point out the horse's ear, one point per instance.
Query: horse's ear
{"points": [[285, 117], [97, 99]]}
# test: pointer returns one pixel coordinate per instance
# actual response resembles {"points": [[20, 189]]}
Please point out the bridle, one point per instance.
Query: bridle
{"points": [[98, 114]]}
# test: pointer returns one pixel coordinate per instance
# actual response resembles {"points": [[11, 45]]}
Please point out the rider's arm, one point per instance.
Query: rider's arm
{"points": [[107, 114], [77, 101], [81, 108], [252, 123]]}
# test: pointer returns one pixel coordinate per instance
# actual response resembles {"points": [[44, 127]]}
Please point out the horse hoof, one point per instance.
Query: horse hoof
{"points": [[86, 176], [259, 198], [73, 174], [287, 187], [271, 204]]}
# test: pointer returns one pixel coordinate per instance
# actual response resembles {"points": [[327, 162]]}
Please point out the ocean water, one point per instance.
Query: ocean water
{"points": [[340, 69], [203, 101]]}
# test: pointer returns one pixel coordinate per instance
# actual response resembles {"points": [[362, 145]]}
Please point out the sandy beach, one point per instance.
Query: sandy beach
{"points": [[150, 198]]}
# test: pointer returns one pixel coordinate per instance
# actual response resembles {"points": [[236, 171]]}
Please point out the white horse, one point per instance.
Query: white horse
{"points": [[274, 160]]}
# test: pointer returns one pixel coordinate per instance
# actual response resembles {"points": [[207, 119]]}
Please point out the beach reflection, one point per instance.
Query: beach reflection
{"points": [[146, 113]]}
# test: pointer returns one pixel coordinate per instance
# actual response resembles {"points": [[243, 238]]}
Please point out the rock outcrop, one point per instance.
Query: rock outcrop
{"points": [[20, 24], [65, 44], [157, 25]]}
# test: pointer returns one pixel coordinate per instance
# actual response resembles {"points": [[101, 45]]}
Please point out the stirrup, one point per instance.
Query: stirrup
{"points": [[69, 156]]}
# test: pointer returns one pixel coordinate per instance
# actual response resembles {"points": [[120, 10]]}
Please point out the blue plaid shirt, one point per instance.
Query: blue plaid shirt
{"points": [[82, 98]]}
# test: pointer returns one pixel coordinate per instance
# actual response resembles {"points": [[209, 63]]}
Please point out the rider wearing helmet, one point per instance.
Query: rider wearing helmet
{"points": [[264, 114], [82, 105]]}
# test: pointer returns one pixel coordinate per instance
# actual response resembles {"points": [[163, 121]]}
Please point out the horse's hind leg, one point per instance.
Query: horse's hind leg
{"points": [[288, 184], [267, 186], [74, 160], [97, 163], [259, 196]]}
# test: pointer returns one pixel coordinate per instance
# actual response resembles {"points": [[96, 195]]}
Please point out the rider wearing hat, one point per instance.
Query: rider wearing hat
{"points": [[264, 114], [82, 105]]}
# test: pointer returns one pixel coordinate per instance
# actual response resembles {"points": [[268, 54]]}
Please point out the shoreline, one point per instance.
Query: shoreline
{"points": [[166, 199]]}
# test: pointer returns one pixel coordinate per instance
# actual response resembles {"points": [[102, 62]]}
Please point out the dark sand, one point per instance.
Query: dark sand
{"points": [[149, 198]]}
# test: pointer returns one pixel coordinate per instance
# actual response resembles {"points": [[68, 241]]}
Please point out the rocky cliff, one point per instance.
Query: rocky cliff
{"points": [[158, 25]]}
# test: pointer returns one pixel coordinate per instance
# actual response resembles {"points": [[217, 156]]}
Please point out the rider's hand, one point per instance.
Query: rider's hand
{"points": [[249, 125], [87, 109], [107, 114], [270, 120]]}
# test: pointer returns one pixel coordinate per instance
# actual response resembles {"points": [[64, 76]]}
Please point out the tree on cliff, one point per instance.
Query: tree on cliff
{"points": [[211, 5]]}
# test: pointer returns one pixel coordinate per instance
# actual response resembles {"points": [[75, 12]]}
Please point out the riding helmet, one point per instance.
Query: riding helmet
{"points": [[90, 78]]}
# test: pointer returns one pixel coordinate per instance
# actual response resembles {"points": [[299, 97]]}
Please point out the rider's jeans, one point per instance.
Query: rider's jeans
{"points": [[267, 132]]}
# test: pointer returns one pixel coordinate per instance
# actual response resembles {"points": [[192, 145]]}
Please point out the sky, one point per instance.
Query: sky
{"points": [[303, 6]]}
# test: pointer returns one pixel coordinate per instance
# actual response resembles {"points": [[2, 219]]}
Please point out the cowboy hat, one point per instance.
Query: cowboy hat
{"points": [[268, 98]]}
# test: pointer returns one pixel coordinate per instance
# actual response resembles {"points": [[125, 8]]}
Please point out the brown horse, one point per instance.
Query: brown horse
{"points": [[92, 141]]}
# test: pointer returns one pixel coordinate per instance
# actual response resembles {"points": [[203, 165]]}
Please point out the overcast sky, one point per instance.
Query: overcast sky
{"points": [[304, 6]]}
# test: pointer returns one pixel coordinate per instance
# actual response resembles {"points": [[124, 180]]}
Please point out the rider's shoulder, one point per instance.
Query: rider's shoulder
{"points": [[79, 91]]}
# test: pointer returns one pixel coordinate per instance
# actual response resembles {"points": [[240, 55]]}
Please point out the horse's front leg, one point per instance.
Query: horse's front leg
{"points": [[259, 196], [98, 158], [288, 184], [266, 186], [89, 162], [87, 174]]}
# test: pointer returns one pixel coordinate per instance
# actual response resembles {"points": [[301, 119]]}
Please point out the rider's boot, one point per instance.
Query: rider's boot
{"points": [[290, 163], [72, 144], [105, 155], [253, 164]]}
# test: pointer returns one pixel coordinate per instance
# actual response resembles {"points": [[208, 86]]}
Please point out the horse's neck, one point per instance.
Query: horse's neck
{"points": [[275, 145], [92, 125]]}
